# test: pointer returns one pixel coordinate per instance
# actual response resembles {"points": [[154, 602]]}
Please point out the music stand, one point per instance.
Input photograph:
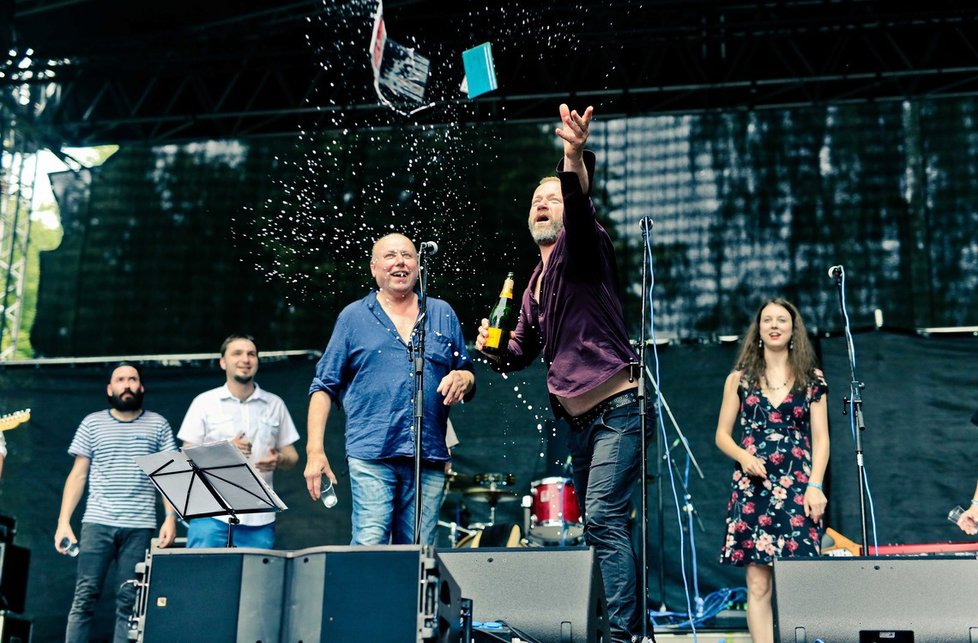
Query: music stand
{"points": [[210, 480]]}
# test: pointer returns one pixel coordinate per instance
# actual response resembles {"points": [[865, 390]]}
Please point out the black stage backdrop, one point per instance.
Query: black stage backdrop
{"points": [[920, 393]]}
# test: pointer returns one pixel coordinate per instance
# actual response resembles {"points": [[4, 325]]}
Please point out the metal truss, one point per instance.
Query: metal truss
{"points": [[255, 71], [17, 175]]}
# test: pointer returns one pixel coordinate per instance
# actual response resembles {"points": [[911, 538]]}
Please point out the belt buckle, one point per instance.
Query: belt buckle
{"points": [[620, 400]]}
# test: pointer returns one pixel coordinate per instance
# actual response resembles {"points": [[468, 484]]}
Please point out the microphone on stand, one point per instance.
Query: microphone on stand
{"points": [[835, 271], [429, 247]]}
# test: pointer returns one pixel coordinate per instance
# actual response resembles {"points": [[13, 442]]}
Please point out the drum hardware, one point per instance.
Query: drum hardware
{"points": [[454, 479], [488, 490], [492, 496], [494, 480], [527, 503], [454, 529], [501, 535]]}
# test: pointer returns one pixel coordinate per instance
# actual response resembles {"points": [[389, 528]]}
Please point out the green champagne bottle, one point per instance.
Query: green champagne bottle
{"points": [[501, 319]]}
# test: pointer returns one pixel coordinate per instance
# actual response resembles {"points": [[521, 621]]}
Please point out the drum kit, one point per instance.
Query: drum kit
{"points": [[551, 512]]}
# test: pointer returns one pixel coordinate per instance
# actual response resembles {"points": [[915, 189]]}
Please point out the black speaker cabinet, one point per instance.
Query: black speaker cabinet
{"points": [[876, 600], [8, 527], [552, 595], [14, 563], [214, 595], [14, 629], [384, 593]]}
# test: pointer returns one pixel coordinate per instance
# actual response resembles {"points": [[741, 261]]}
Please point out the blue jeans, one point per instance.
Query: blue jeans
{"points": [[211, 532], [383, 501], [606, 463], [99, 545]]}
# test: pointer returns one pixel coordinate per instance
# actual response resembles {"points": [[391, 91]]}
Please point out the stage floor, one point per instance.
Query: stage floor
{"points": [[704, 637]]}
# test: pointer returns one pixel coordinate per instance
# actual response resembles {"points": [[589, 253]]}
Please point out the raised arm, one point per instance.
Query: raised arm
{"points": [[574, 130]]}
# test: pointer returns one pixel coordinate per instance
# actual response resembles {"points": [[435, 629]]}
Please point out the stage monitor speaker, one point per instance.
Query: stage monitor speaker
{"points": [[14, 563], [876, 600], [376, 593], [214, 595], [552, 595]]}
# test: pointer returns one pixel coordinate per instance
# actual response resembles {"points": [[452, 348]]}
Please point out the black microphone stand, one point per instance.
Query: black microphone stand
{"points": [[664, 456], [856, 402], [643, 376], [416, 355], [646, 225]]}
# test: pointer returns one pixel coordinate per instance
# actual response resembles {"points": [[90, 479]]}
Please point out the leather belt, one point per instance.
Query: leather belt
{"points": [[586, 419]]}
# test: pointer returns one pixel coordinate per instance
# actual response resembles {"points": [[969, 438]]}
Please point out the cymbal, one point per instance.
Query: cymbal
{"points": [[495, 479], [492, 496]]}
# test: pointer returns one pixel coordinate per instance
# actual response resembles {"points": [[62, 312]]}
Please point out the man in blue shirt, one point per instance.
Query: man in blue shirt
{"points": [[366, 369]]}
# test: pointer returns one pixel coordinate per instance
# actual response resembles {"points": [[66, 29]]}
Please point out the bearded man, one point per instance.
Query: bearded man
{"points": [[120, 512]]}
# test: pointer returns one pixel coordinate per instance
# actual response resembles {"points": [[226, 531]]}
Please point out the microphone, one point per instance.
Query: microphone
{"points": [[429, 247], [835, 271]]}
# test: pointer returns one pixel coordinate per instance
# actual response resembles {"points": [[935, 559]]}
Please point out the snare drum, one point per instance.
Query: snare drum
{"points": [[555, 516]]}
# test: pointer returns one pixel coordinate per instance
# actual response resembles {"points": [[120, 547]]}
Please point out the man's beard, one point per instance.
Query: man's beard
{"points": [[546, 236], [133, 403], [243, 379]]}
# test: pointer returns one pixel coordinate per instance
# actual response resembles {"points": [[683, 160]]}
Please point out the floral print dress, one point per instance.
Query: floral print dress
{"points": [[766, 517]]}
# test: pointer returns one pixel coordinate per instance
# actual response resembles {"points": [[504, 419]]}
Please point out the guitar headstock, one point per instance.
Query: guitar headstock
{"points": [[15, 419]]}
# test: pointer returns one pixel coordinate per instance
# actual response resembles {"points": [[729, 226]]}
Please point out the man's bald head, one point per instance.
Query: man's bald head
{"points": [[383, 242]]}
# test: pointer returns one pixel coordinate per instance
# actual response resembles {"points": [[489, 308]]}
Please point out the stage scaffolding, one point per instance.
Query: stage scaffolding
{"points": [[18, 173]]}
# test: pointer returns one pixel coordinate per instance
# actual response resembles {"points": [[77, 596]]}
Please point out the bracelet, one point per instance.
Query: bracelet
{"points": [[815, 485], [974, 501], [170, 513]]}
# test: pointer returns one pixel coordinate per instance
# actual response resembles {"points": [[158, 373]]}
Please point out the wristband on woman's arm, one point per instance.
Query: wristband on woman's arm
{"points": [[815, 485], [974, 501]]}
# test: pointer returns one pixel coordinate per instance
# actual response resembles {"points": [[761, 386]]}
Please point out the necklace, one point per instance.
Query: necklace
{"points": [[774, 388]]}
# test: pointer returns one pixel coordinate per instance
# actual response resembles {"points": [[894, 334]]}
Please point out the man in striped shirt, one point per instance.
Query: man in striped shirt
{"points": [[120, 512]]}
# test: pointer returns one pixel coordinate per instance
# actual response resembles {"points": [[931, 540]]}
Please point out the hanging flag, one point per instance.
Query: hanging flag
{"points": [[396, 68]]}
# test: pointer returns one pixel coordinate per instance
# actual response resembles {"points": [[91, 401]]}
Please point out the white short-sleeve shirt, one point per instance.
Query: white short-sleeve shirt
{"points": [[216, 415]]}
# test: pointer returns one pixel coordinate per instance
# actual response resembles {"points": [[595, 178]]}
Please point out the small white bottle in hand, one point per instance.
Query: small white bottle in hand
{"points": [[327, 494]]}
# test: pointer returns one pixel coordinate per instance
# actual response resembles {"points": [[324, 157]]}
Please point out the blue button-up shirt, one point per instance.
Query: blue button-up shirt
{"points": [[367, 370]]}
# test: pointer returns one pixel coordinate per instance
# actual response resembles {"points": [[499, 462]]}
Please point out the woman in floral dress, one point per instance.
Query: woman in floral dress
{"points": [[777, 396]]}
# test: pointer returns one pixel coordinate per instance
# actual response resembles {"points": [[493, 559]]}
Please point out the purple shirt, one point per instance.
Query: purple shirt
{"points": [[578, 322]]}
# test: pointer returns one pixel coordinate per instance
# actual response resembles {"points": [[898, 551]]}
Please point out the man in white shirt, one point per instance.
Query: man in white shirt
{"points": [[256, 422]]}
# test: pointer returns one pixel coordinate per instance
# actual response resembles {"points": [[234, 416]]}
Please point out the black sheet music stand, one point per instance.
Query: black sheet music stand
{"points": [[210, 480]]}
